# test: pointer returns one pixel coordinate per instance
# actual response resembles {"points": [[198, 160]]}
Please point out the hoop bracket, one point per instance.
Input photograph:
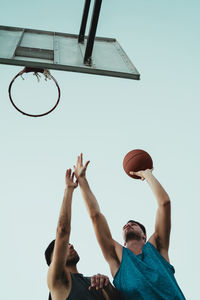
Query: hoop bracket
{"points": [[93, 28]]}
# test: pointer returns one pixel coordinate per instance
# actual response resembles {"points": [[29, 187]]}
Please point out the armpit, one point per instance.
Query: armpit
{"points": [[64, 279]]}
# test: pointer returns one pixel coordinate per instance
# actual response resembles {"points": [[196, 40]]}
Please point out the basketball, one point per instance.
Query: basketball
{"points": [[137, 160]]}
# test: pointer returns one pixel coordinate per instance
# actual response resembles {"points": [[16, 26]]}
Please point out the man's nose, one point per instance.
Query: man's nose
{"points": [[128, 225]]}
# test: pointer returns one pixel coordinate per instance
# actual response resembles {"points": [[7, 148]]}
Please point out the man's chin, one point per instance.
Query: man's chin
{"points": [[72, 261], [132, 236]]}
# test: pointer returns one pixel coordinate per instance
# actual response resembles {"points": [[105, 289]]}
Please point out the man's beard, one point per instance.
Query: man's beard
{"points": [[72, 261], [132, 236]]}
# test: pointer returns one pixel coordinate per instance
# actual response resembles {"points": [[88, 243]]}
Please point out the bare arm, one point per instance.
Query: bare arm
{"points": [[161, 236], [110, 248], [100, 224], [62, 234], [102, 282], [111, 292]]}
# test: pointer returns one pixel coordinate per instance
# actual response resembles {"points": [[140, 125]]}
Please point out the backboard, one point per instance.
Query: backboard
{"points": [[62, 51]]}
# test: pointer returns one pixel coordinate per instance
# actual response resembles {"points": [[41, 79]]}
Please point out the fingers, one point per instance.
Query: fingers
{"points": [[99, 281], [75, 182], [93, 281], [79, 169], [80, 160], [107, 281], [135, 173], [97, 284], [132, 173], [68, 172], [86, 164], [139, 174], [70, 178]]}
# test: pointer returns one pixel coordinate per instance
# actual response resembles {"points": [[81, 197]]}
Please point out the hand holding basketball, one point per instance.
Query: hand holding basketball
{"points": [[80, 169], [136, 162], [142, 174]]}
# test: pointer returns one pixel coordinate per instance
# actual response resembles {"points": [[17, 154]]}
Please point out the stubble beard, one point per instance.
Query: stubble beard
{"points": [[132, 236], [72, 261]]}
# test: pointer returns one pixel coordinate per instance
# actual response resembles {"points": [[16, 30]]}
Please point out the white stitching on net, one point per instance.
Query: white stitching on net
{"points": [[46, 74]]}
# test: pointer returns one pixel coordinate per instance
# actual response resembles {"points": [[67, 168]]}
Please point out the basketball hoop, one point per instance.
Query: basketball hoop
{"points": [[47, 75]]}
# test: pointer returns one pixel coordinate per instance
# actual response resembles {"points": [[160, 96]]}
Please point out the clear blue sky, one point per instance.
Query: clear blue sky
{"points": [[104, 118]]}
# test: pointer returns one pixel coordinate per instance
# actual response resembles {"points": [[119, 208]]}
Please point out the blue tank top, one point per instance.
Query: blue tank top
{"points": [[147, 276]]}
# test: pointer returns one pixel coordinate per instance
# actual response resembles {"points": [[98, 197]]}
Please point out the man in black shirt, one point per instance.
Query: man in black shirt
{"points": [[63, 279]]}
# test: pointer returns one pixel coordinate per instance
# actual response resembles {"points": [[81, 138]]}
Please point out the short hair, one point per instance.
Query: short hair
{"points": [[48, 252], [139, 224]]}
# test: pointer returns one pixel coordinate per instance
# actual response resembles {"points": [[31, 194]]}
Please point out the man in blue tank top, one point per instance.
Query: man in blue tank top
{"points": [[142, 269], [63, 279]]}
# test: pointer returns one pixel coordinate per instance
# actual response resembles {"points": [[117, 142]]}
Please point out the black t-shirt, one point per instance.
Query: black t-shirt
{"points": [[79, 289]]}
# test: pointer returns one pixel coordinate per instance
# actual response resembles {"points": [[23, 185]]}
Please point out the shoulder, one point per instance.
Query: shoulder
{"points": [[155, 241]]}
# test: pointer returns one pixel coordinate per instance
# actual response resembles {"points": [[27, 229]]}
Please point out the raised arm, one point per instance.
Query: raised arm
{"points": [[161, 236], [62, 234], [112, 251]]}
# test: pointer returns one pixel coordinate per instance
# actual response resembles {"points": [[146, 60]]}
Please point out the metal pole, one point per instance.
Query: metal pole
{"points": [[84, 21], [92, 33]]}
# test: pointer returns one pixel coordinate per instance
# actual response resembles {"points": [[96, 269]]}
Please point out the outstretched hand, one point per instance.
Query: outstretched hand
{"points": [[99, 282], [80, 169], [142, 174], [69, 179]]}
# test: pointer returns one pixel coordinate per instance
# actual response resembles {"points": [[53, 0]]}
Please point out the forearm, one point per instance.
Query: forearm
{"points": [[64, 221], [159, 192], [111, 292], [89, 198]]}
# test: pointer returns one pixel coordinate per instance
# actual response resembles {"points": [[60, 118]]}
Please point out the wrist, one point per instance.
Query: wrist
{"points": [[148, 174], [69, 188], [82, 179]]}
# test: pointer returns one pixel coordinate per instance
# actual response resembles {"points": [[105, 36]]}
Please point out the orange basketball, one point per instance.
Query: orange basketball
{"points": [[137, 160]]}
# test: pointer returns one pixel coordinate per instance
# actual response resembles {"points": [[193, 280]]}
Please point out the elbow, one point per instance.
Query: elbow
{"points": [[63, 230], [166, 202], [94, 215]]}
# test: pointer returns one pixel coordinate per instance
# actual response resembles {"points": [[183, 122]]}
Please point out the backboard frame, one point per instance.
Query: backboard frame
{"points": [[18, 51]]}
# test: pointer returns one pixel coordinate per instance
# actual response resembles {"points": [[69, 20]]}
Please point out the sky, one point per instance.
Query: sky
{"points": [[104, 118]]}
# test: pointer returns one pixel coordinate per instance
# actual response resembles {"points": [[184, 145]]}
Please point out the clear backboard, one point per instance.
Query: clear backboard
{"points": [[62, 51]]}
